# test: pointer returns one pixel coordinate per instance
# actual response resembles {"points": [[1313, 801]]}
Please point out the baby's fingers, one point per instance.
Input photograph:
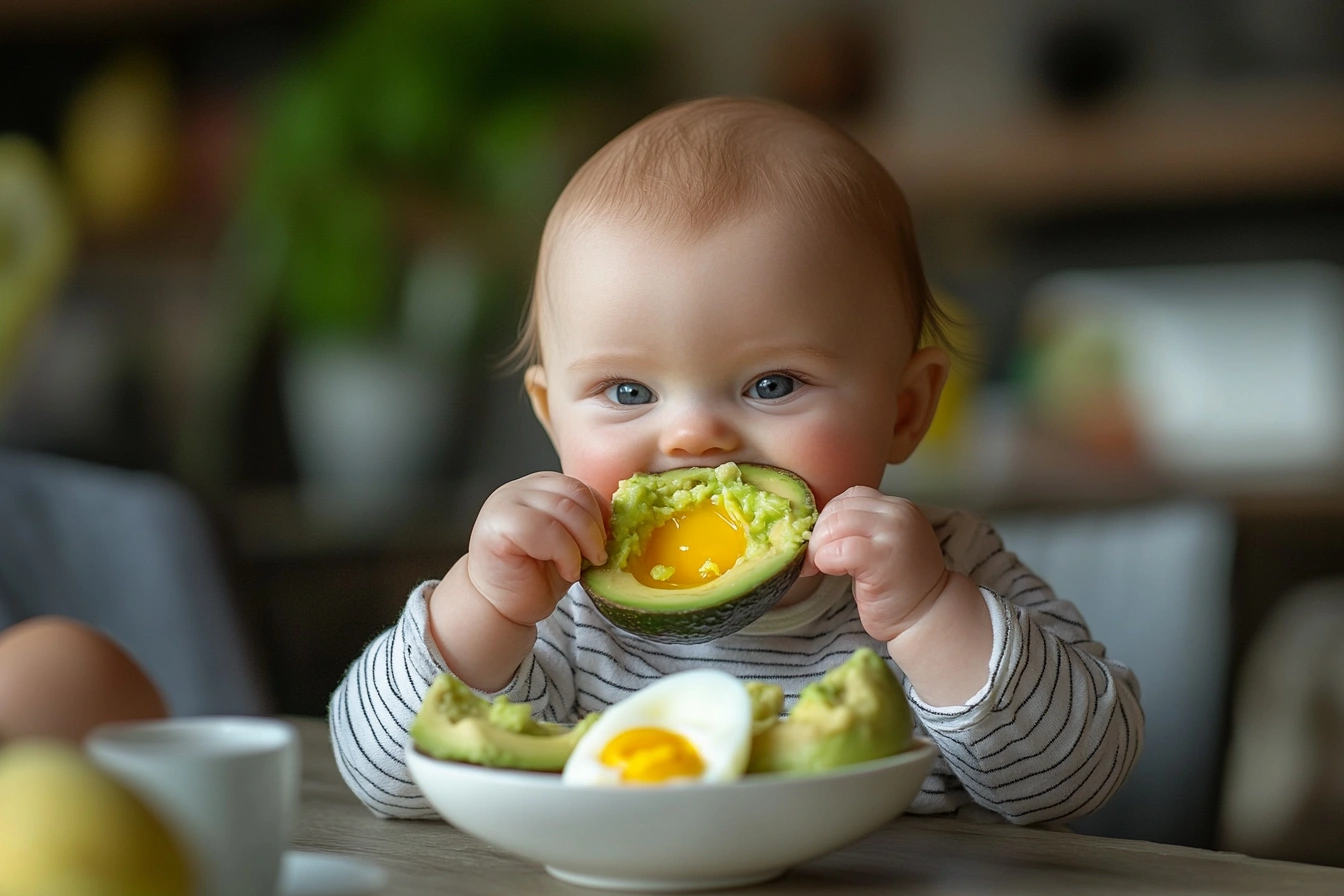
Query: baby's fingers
{"points": [[850, 555], [516, 533], [873, 514], [553, 542], [809, 568], [575, 507]]}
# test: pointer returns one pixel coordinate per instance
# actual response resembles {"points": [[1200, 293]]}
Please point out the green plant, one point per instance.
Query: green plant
{"points": [[413, 122], [455, 107]]}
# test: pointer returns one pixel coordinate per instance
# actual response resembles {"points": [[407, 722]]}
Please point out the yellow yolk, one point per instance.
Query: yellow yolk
{"points": [[652, 756], [689, 549]]}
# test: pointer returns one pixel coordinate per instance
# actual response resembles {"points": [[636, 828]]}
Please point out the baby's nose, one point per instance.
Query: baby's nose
{"points": [[697, 433]]}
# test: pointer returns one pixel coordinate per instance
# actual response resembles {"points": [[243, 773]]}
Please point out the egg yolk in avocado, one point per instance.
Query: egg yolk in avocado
{"points": [[652, 756], [689, 549]]}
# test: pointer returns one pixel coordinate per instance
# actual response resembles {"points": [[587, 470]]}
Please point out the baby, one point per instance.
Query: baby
{"points": [[735, 280]]}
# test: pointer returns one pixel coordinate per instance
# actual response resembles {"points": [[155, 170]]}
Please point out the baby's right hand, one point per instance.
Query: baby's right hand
{"points": [[529, 541]]}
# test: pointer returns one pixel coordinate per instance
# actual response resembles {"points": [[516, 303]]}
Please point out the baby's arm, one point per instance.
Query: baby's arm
{"points": [[907, 595], [372, 708], [526, 548], [1058, 726], [1053, 726], [479, 622]]}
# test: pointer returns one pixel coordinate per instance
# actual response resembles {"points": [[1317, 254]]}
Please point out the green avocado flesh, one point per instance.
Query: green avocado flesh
{"points": [[454, 722], [855, 713], [768, 511]]}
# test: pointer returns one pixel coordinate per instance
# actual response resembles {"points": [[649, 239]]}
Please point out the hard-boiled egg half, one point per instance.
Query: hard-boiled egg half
{"points": [[693, 726]]}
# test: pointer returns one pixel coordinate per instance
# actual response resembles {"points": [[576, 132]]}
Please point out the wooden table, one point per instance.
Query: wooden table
{"points": [[911, 855]]}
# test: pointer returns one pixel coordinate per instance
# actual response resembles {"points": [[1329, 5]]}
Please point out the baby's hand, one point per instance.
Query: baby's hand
{"points": [[887, 545], [529, 541]]}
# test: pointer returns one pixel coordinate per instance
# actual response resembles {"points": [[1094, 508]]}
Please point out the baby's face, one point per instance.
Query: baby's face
{"points": [[761, 343]]}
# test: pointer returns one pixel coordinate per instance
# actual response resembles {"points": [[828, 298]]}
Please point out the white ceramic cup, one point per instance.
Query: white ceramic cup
{"points": [[228, 785]]}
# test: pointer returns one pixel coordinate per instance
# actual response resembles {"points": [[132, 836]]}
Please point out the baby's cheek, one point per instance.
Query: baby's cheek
{"points": [[601, 471], [830, 467]]}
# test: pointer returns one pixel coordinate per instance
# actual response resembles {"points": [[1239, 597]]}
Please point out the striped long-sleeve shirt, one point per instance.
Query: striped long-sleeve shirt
{"points": [[1051, 735]]}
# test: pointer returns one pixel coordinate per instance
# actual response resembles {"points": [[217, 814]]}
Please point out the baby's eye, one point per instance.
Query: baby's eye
{"points": [[630, 393], [775, 385]]}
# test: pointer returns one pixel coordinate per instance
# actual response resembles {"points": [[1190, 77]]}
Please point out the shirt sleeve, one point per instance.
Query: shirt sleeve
{"points": [[545, 679], [371, 711], [1058, 725]]}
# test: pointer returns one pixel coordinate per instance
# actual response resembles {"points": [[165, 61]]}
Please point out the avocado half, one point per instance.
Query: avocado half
{"points": [[456, 723], [855, 712], [774, 509]]}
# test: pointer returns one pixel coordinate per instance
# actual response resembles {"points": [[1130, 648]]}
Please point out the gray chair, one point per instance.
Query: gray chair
{"points": [[1153, 583], [1283, 795], [133, 555]]}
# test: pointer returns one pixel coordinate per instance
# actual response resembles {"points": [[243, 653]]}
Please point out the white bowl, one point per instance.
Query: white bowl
{"points": [[689, 837]]}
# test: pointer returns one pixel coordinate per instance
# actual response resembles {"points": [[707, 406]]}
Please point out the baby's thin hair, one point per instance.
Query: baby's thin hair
{"points": [[696, 166]]}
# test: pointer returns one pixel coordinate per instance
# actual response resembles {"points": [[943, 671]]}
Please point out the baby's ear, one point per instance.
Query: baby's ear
{"points": [[534, 381], [921, 384]]}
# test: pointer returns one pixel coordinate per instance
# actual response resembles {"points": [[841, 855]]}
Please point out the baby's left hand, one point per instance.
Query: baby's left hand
{"points": [[887, 545]]}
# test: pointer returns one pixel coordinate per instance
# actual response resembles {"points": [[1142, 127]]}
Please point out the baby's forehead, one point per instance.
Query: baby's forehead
{"points": [[645, 266], [666, 225], [694, 168], [686, 172], [617, 240]]}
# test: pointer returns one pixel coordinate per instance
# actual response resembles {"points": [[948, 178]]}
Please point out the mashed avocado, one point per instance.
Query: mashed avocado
{"points": [[642, 503], [767, 704], [698, 553]]}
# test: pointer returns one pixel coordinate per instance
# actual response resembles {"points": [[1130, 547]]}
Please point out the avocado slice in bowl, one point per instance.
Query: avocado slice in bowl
{"points": [[698, 553], [456, 723], [854, 713]]}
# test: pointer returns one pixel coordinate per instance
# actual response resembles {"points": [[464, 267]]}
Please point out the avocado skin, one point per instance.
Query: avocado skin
{"points": [[701, 625], [456, 723], [735, 610]]}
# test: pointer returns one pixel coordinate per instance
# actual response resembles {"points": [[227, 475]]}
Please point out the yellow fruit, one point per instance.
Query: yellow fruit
{"points": [[67, 828], [119, 144], [36, 241]]}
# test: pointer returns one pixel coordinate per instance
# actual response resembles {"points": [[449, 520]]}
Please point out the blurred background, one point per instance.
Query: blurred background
{"points": [[270, 253]]}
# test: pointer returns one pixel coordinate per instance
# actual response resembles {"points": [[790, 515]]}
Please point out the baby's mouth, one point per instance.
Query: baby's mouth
{"points": [[706, 462]]}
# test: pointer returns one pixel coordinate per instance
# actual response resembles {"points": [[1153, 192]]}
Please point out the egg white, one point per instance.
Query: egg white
{"points": [[709, 708]]}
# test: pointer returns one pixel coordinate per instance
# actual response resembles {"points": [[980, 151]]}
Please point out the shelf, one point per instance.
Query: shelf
{"points": [[1013, 466], [277, 523], [1205, 146], [85, 15]]}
